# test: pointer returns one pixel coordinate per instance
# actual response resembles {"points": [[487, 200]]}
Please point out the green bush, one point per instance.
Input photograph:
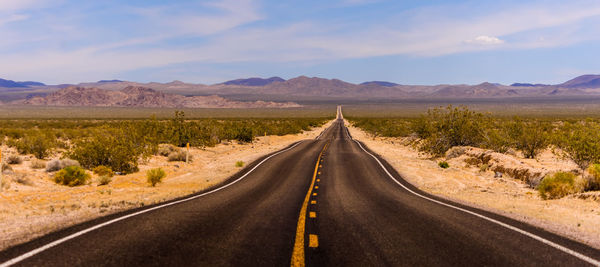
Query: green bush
{"points": [[557, 185], [155, 176], [71, 176], [103, 171], [443, 165], [239, 164]]}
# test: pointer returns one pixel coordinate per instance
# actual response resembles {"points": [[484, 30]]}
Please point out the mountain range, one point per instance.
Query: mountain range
{"points": [[301, 88]]}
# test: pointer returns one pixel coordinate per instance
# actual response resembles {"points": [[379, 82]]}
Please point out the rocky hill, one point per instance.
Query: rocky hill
{"points": [[135, 96]]}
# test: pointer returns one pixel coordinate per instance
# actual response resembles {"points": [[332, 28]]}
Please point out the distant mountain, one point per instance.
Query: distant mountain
{"points": [[30, 83], [254, 81], [135, 96], [301, 88], [527, 85], [380, 83], [584, 81], [13, 84], [10, 84]]}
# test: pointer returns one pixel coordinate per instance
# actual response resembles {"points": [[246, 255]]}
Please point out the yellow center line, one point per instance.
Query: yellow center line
{"points": [[298, 252], [312, 214]]}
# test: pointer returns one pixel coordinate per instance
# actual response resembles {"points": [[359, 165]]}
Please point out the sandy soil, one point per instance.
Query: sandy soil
{"points": [[576, 216], [34, 205]]}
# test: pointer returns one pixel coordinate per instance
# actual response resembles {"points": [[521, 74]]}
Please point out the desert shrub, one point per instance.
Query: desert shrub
{"points": [[178, 155], [580, 142], [557, 185], [244, 134], [166, 149], [443, 165], [14, 159], [71, 176], [53, 165], [452, 127], [531, 138], [239, 164], [58, 164], [115, 149], [104, 180], [497, 139], [155, 176], [103, 171], [38, 164], [594, 181], [36, 143]]}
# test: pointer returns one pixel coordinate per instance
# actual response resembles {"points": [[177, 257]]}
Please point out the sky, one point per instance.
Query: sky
{"points": [[407, 42]]}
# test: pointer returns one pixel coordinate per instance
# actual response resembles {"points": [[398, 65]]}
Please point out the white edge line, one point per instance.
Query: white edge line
{"points": [[536, 237], [82, 232]]}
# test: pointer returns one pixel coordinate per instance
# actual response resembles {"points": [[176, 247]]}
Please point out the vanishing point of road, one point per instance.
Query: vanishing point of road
{"points": [[323, 202]]}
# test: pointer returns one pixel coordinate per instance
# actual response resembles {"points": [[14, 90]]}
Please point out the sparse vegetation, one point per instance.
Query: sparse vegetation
{"points": [[71, 176], [557, 185], [155, 176], [120, 144], [239, 164]]}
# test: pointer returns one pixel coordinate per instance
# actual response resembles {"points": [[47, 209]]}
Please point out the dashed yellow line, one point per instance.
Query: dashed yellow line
{"points": [[316, 187], [318, 180], [313, 202], [312, 214], [298, 252], [313, 241]]}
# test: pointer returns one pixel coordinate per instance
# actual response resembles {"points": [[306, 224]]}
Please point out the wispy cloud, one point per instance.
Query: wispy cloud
{"points": [[237, 31], [484, 40]]}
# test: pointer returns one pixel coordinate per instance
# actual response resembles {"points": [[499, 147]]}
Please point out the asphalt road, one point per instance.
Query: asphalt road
{"points": [[324, 202]]}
